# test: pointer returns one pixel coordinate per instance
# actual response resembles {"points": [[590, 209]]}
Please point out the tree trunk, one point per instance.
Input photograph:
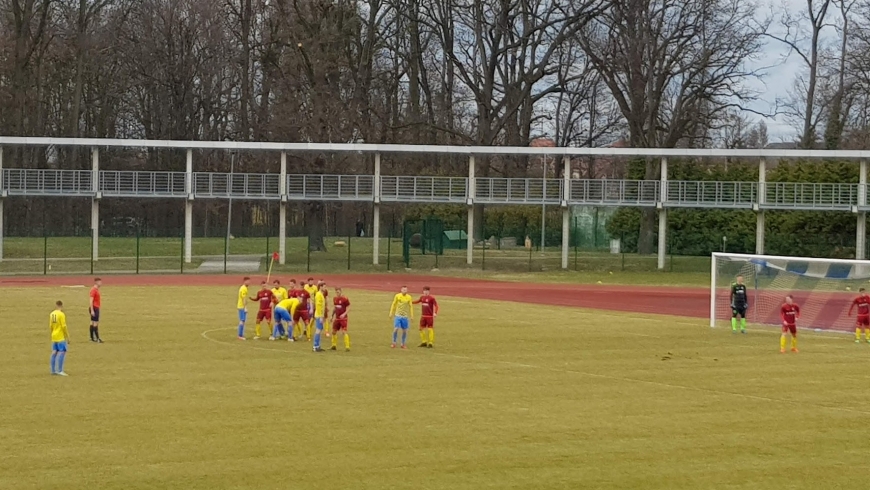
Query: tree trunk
{"points": [[315, 225], [646, 233]]}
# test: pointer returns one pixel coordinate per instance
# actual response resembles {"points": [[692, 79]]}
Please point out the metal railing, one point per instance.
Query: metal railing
{"points": [[331, 187], [498, 190], [128, 183], [436, 189], [45, 182], [614, 192], [424, 189], [703, 194], [810, 196], [242, 186]]}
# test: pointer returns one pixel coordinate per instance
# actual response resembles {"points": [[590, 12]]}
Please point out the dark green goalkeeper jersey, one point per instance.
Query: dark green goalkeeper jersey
{"points": [[738, 295]]}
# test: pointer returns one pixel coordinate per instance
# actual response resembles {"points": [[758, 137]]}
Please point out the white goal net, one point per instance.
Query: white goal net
{"points": [[823, 288]]}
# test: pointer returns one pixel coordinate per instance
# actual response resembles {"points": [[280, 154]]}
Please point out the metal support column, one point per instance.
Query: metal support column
{"points": [[376, 212], [861, 235], [759, 209], [566, 211], [663, 216], [2, 196], [188, 209], [469, 253], [282, 211], [95, 204]]}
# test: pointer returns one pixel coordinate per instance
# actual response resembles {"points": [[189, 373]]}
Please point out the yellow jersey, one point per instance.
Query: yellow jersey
{"points": [[311, 290], [289, 304], [243, 297], [402, 306], [279, 293], [319, 305], [57, 322]]}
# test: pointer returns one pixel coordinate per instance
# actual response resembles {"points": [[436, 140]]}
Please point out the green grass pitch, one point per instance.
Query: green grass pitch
{"points": [[513, 396]]}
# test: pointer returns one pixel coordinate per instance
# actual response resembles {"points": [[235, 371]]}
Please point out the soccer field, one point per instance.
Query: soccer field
{"points": [[513, 396]]}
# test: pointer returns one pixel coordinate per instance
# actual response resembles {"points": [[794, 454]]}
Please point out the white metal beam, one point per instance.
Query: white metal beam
{"points": [[762, 196], [469, 252], [566, 211], [441, 149], [861, 231], [95, 204], [376, 212], [663, 216], [282, 211], [188, 209]]}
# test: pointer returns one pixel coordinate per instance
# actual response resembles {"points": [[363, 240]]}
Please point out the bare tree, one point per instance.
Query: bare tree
{"points": [[672, 67], [807, 47]]}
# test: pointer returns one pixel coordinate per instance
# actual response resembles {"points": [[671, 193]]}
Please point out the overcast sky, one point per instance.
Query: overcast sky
{"points": [[782, 70]]}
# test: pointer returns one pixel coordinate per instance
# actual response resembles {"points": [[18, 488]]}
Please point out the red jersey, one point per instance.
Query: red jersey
{"points": [[863, 304], [293, 293], [264, 296], [790, 313], [430, 306], [341, 304], [95, 295], [303, 299]]}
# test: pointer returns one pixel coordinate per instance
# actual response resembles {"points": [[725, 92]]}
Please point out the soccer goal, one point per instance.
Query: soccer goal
{"points": [[824, 288]]}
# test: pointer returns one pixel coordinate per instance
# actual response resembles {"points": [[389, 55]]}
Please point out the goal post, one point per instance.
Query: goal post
{"points": [[824, 288]]}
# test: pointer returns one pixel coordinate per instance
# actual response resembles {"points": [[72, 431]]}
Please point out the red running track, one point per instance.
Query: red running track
{"points": [[664, 300]]}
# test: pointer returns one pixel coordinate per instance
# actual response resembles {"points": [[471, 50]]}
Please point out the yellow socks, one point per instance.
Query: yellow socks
{"points": [[431, 336], [857, 334], [257, 330], [346, 341], [782, 342], [334, 340], [422, 335], [867, 334], [794, 343]]}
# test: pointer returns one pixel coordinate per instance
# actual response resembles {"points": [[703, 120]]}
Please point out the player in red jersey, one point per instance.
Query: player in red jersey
{"points": [[427, 318], [863, 304], [789, 312], [94, 310], [339, 319], [265, 298], [301, 319]]}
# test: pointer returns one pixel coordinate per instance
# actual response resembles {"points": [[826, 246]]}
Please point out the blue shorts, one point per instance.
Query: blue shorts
{"points": [[400, 322], [318, 323], [58, 346], [96, 316], [243, 315], [282, 315]]}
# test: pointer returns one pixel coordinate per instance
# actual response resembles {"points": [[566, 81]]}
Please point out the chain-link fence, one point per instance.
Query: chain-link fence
{"points": [[53, 236]]}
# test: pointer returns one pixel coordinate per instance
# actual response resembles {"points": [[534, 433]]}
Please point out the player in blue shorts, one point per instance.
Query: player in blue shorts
{"points": [[402, 312], [283, 314], [59, 339]]}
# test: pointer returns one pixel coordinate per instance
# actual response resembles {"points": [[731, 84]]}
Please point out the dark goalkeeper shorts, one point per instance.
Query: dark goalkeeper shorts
{"points": [[739, 310]]}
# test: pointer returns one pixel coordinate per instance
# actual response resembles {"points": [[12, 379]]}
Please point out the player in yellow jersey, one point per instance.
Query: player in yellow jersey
{"points": [[59, 339], [319, 314], [311, 289], [402, 313], [283, 313], [242, 305], [280, 295]]}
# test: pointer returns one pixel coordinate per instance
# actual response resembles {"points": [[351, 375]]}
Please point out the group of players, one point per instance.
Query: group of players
{"points": [[60, 332], [790, 312], [302, 312]]}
